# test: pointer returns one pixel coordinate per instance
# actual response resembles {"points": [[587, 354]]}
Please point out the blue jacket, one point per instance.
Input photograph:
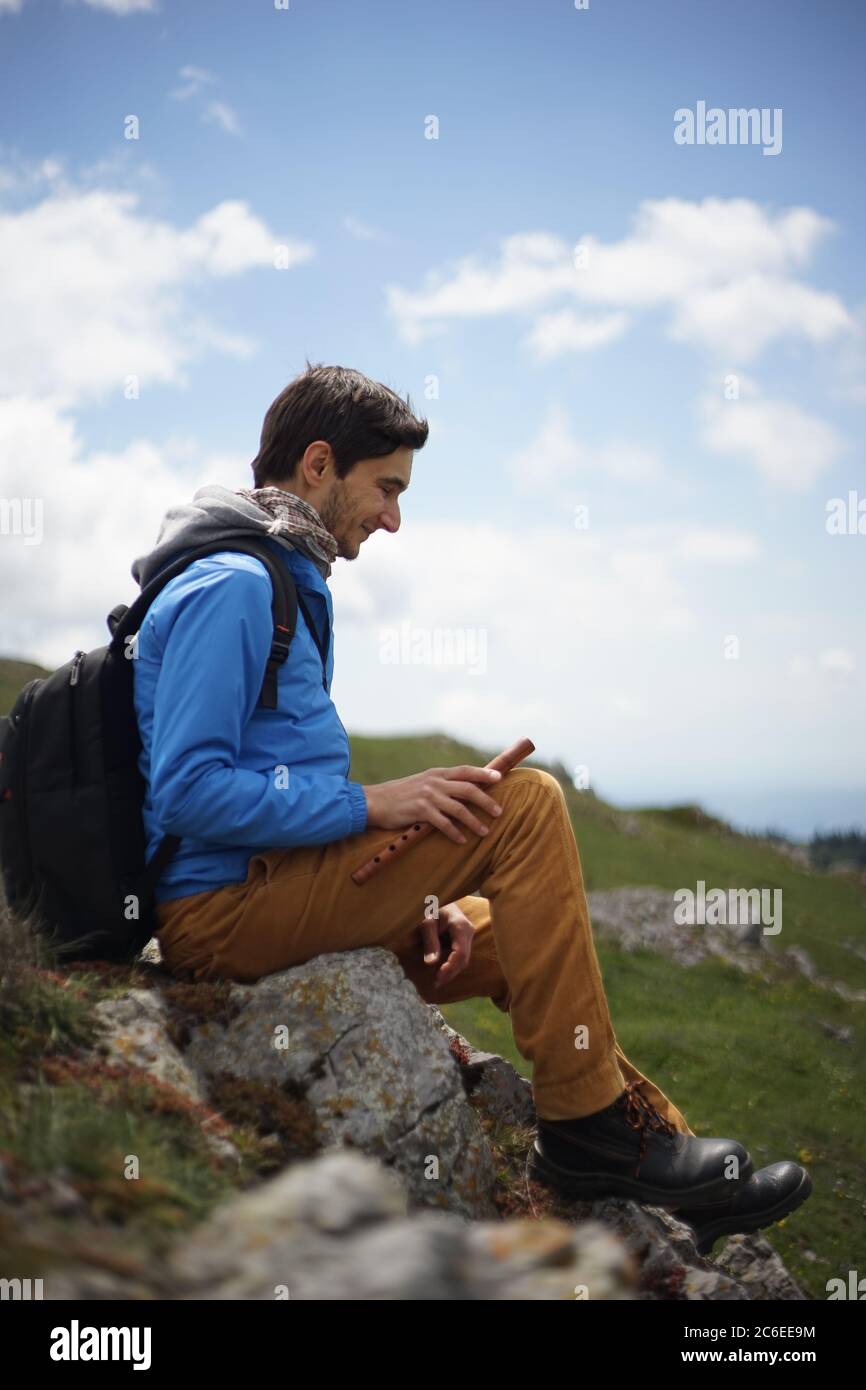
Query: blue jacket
{"points": [[229, 776]]}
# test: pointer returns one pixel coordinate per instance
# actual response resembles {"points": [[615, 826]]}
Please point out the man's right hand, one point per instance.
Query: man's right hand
{"points": [[434, 796]]}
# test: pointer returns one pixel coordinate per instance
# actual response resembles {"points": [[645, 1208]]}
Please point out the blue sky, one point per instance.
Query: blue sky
{"points": [[698, 383]]}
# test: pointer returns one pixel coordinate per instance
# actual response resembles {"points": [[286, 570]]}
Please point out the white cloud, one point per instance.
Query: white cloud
{"points": [[739, 320], [557, 462], [503, 717], [29, 174], [610, 585], [25, 179], [103, 505], [630, 706], [566, 331], [221, 114], [678, 246], [798, 666], [123, 7], [717, 546], [229, 239], [362, 231], [850, 383], [786, 446], [96, 290], [837, 659], [629, 463], [194, 81], [116, 7], [553, 458], [533, 266], [715, 265]]}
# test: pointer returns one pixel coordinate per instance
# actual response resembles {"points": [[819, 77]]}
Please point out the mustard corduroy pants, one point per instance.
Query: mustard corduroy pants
{"points": [[521, 886]]}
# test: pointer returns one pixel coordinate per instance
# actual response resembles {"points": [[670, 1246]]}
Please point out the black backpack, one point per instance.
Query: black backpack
{"points": [[72, 842]]}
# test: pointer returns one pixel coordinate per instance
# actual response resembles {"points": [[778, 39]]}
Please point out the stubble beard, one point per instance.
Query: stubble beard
{"points": [[336, 516]]}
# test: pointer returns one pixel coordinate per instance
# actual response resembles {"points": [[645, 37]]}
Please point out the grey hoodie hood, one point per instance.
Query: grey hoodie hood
{"points": [[214, 514]]}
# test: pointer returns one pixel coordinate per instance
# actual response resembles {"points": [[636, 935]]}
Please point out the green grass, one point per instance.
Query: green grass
{"points": [[14, 675], [90, 1138]]}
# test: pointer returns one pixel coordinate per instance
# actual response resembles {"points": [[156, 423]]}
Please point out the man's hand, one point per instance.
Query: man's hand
{"points": [[436, 797], [452, 928]]}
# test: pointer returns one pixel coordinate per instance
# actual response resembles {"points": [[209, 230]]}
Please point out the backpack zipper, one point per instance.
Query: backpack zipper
{"points": [[73, 680]]}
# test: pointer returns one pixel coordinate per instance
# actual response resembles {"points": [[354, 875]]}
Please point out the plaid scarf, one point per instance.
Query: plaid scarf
{"points": [[296, 520]]}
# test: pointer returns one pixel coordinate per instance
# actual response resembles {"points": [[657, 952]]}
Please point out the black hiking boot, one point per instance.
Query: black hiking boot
{"points": [[630, 1150], [770, 1194]]}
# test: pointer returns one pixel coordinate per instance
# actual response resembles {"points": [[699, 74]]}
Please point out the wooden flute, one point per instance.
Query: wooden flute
{"points": [[503, 763]]}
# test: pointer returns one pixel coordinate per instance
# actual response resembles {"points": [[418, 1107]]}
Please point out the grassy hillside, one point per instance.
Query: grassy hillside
{"points": [[742, 1058], [14, 675]]}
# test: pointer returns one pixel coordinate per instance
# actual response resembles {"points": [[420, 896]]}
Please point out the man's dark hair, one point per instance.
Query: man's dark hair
{"points": [[358, 417]]}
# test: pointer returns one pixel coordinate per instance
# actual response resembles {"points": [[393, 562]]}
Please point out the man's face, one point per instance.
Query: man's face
{"points": [[366, 500]]}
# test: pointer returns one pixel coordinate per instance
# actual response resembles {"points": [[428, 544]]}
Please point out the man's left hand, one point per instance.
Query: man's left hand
{"points": [[452, 928]]}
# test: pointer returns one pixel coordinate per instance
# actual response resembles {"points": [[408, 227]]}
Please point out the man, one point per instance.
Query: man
{"points": [[272, 825]]}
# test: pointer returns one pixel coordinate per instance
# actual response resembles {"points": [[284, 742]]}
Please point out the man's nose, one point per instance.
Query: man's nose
{"points": [[390, 518]]}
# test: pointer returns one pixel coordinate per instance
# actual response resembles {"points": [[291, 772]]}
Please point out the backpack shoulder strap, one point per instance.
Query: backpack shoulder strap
{"points": [[123, 622]]}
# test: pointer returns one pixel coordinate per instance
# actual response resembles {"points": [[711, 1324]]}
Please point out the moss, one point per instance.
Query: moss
{"points": [[317, 995], [193, 1004], [120, 1083], [270, 1110]]}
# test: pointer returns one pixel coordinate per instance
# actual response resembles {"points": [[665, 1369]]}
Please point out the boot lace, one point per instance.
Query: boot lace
{"points": [[643, 1116]]}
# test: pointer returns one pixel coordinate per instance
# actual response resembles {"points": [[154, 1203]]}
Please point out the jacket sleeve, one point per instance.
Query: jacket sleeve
{"points": [[210, 679]]}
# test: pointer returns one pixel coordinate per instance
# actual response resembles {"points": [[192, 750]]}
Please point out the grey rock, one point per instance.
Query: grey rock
{"points": [[338, 1227], [134, 1030], [670, 1267], [644, 917], [799, 959], [753, 1262], [492, 1082], [351, 1031], [836, 1031]]}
